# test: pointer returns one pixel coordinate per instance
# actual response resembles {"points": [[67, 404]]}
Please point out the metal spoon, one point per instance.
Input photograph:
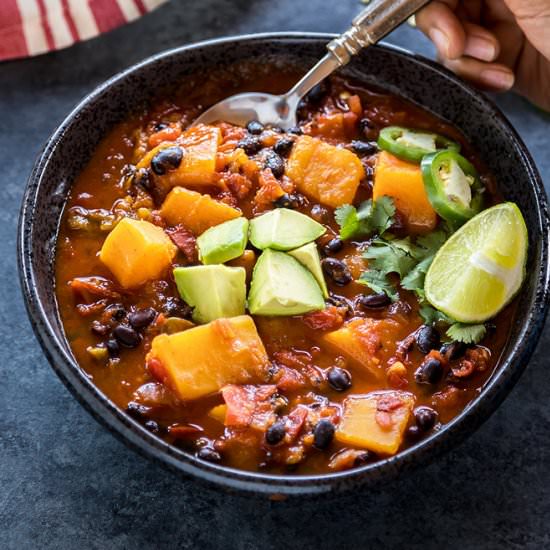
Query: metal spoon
{"points": [[378, 19]]}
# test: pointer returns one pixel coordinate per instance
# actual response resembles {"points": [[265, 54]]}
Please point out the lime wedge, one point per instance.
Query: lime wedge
{"points": [[480, 268]]}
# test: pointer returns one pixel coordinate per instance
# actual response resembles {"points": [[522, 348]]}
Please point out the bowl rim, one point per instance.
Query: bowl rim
{"points": [[242, 481]]}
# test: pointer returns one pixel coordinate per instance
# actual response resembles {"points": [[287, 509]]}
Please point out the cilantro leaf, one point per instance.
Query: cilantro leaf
{"points": [[432, 316], [346, 218], [388, 257], [379, 283], [414, 280], [371, 217], [382, 214], [469, 334]]}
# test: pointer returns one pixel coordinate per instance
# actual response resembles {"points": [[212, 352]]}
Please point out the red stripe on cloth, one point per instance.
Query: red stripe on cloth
{"points": [[46, 25], [70, 21], [107, 14], [139, 5], [12, 38]]}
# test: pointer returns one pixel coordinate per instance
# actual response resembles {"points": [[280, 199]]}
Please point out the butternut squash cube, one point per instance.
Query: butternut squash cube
{"points": [[323, 172], [197, 168], [136, 252], [197, 212], [376, 421], [200, 146], [201, 360], [358, 341], [402, 181]]}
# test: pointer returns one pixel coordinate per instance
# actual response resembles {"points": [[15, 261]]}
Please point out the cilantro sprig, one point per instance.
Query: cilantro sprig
{"points": [[371, 217], [391, 259]]}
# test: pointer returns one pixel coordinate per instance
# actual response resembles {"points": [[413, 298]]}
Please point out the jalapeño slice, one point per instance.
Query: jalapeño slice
{"points": [[413, 145], [453, 186]]}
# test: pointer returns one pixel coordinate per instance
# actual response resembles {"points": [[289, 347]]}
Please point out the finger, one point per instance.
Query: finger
{"points": [[480, 43], [438, 22], [490, 76]]}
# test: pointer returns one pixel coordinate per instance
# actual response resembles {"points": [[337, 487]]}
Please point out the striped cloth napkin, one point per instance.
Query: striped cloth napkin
{"points": [[32, 27]]}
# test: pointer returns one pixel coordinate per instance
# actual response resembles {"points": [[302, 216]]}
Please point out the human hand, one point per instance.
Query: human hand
{"points": [[497, 44]]}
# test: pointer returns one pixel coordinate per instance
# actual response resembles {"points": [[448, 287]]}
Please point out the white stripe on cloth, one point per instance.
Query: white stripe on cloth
{"points": [[58, 24], [35, 37], [83, 18], [152, 4], [128, 9]]}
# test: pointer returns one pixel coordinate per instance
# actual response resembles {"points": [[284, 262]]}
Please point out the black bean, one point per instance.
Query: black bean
{"points": [[318, 92], [167, 159], [160, 126], [152, 426], [287, 201], [429, 372], [296, 130], [112, 347], [142, 317], [250, 144], [400, 308], [254, 127], [337, 270], [209, 454], [340, 301], [126, 336], [333, 246], [275, 163], [425, 418], [323, 434], [453, 350], [367, 128], [339, 379], [427, 339], [174, 307], [363, 148], [99, 328], [136, 410], [320, 213], [116, 311], [275, 433], [283, 146], [142, 178], [414, 432], [374, 301]]}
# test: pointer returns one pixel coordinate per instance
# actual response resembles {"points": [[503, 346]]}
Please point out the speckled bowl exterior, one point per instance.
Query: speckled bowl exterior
{"points": [[417, 79]]}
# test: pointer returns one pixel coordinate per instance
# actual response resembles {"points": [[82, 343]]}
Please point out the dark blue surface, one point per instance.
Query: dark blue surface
{"points": [[65, 482]]}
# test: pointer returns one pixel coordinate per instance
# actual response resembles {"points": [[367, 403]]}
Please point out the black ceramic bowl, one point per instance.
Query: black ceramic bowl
{"points": [[410, 76]]}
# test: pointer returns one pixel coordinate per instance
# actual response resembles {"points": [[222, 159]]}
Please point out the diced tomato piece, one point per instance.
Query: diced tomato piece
{"points": [[185, 241], [330, 318], [170, 133], [246, 402], [180, 431], [86, 288], [238, 184], [270, 190], [290, 379], [157, 370], [355, 106], [295, 421]]}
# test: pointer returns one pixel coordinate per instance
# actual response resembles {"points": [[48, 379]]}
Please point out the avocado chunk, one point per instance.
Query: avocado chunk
{"points": [[281, 285], [213, 291], [283, 229], [223, 242], [308, 256]]}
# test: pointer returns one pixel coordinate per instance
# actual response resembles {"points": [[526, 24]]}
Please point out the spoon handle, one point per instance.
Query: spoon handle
{"points": [[377, 20]]}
